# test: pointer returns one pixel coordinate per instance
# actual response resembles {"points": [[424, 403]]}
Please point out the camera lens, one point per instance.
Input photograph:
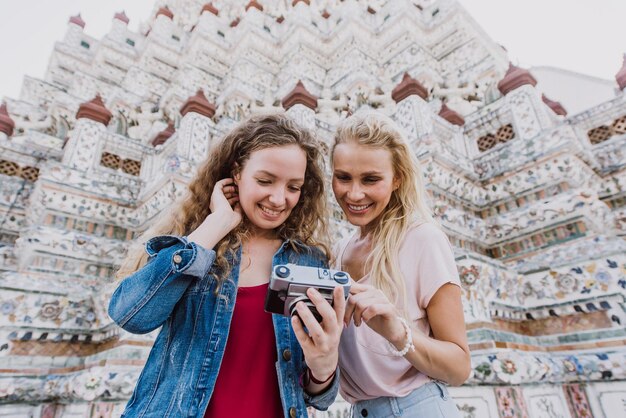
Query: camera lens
{"points": [[308, 303]]}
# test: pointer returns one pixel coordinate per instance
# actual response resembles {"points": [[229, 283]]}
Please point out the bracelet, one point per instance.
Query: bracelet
{"points": [[409, 346], [307, 377], [320, 382]]}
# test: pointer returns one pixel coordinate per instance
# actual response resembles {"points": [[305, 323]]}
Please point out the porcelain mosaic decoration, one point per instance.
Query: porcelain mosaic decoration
{"points": [[533, 199]]}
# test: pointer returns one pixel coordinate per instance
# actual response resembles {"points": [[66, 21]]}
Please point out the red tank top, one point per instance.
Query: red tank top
{"points": [[247, 384]]}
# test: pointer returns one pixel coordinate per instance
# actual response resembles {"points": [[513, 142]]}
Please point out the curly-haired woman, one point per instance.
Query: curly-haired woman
{"points": [[257, 201]]}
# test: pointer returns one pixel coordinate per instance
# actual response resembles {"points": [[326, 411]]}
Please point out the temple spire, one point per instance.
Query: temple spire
{"points": [[121, 16], [210, 8], [6, 123], [407, 87], [77, 20], [198, 104], [299, 95], [94, 110], [165, 11], [254, 4], [515, 77]]}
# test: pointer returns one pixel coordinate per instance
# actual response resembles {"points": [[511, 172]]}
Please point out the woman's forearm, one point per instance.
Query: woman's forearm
{"points": [[210, 232], [441, 360]]}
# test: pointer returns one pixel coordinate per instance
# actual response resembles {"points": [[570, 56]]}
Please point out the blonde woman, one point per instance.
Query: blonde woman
{"points": [[405, 337], [257, 201]]}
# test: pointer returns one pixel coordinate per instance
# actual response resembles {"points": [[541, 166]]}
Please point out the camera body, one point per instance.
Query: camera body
{"points": [[289, 283]]}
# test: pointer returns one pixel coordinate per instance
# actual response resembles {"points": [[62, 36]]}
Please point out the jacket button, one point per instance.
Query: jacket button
{"points": [[292, 412], [287, 354], [177, 258], [364, 412]]}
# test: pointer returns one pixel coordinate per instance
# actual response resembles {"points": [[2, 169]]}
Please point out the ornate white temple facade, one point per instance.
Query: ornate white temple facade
{"points": [[533, 199]]}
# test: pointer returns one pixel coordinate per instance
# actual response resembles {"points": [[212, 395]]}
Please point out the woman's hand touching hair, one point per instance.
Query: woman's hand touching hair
{"points": [[225, 215]]}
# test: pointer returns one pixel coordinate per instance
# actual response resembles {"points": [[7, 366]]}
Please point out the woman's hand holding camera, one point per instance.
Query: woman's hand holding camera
{"points": [[225, 215], [321, 344]]}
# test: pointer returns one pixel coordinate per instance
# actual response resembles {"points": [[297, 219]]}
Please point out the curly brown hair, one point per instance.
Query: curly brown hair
{"points": [[307, 222]]}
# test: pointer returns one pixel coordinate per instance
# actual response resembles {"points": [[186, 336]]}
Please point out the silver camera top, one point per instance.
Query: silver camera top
{"points": [[290, 282], [313, 276]]}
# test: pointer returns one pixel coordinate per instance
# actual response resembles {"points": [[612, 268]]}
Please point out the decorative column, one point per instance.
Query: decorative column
{"points": [[85, 143], [303, 14], [300, 105], [413, 113], [529, 114], [119, 27], [194, 132], [458, 140], [74, 32], [155, 164], [254, 14], [163, 22]]}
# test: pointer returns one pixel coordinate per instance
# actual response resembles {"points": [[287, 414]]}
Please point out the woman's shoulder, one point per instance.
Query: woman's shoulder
{"points": [[426, 232], [425, 238]]}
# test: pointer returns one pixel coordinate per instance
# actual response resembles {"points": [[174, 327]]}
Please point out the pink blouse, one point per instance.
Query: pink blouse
{"points": [[368, 370]]}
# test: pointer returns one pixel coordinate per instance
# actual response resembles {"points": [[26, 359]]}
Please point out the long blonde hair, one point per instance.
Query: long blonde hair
{"points": [[406, 206], [307, 222]]}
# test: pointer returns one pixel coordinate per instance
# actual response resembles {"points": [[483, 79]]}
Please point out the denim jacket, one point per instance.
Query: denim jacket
{"points": [[176, 291]]}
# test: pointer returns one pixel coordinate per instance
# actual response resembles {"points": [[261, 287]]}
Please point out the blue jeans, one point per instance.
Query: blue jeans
{"points": [[429, 401]]}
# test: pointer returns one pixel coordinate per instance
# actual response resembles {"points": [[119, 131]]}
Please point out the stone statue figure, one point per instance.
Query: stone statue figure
{"points": [[328, 106], [143, 121]]}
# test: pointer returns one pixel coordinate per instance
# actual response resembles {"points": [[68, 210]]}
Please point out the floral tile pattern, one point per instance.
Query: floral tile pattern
{"points": [[537, 218], [577, 400]]}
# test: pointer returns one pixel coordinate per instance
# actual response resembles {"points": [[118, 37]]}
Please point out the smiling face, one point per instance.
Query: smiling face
{"points": [[363, 182], [269, 185]]}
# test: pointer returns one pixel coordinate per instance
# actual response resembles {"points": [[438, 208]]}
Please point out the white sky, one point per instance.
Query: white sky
{"points": [[583, 36]]}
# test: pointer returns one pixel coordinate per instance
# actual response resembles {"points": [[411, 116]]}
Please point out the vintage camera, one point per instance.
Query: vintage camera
{"points": [[289, 283]]}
